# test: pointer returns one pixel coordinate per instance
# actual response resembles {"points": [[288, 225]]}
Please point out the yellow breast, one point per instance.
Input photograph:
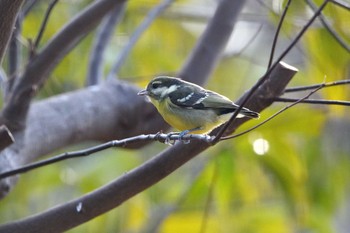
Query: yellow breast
{"points": [[187, 119]]}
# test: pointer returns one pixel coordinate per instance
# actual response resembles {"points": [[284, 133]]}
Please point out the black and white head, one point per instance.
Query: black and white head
{"points": [[160, 87]]}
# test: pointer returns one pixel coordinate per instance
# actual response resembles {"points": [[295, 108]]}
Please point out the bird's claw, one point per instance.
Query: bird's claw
{"points": [[170, 141]]}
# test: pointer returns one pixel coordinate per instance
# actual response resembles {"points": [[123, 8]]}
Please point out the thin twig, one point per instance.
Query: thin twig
{"points": [[28, 5], [326, 24], [161, 137], [208, 201], [297, 101], [314, 101], [342, 4], [43, 26], [268, 72], [250, 42], [102, 39], [274, 43], [136, 35], [311, 87], [14, 55]]}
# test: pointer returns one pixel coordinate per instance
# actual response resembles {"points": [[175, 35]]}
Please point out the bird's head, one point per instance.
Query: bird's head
{"points": [[160, 87]]}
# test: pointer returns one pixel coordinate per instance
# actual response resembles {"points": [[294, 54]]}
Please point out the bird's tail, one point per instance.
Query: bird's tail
{"points": [[249, 113]]}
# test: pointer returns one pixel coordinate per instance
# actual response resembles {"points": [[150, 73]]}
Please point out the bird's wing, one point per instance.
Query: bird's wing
{"points": [[198, 98], [217, 101]]}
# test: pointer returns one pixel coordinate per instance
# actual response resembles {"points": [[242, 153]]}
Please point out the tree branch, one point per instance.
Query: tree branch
{"points": [[311, 87], [314, 101], [273, 116], [43, 26], [104, 34], [267, 74], [329, 27], [204, 57], [8, 11], [136, 35], [100, 113], [16, 107], [274, 43], [342, 4], [126, 142]]}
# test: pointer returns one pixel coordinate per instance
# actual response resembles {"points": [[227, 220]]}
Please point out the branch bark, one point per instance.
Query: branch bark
{"points": [[8, 12], [18, 101], [103, 36]]}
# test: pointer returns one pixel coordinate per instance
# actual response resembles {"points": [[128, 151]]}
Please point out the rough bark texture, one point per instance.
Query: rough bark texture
{"points": [[8, 12]]}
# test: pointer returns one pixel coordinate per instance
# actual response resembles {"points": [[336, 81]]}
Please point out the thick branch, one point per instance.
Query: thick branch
{"points": [[8, 12], [207, 52], [6, 137], [100, 113], [16, 107]]}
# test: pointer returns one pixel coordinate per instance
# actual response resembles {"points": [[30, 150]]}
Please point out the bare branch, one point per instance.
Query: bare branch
{"points": [[273, 116], [164, 138], [28, 6], [342, 4], [14, 53], [8, 11], [311, 87], [330, 29], [268, 72], [204, 57], [153, 14], [104, 34], [274, 43], [75, 117], [43, 26], [37, 70], [314, 101]]}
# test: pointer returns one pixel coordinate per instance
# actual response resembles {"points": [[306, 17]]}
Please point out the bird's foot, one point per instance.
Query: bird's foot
{"points": [[170, 141]]}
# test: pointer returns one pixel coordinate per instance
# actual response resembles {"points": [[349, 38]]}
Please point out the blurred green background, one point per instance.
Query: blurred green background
{"points": [[290, 175]]}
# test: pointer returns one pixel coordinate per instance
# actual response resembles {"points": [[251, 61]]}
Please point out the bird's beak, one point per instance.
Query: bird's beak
{"points": [[143, 92]]}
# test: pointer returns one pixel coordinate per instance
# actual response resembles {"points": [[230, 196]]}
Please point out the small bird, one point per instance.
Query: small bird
{"points": [[189, 107]]}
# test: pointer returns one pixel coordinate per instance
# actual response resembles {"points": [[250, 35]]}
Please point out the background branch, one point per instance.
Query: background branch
{"points": [[43, 26], [126, 142], [267, 74], [8, 10], [330, 29], [16, 107], [274, 42], [311, 87], [314, 101], [152, 15], [103, 36]]}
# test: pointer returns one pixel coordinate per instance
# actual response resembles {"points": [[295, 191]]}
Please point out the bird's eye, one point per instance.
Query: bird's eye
{"points": [[155, 85]]}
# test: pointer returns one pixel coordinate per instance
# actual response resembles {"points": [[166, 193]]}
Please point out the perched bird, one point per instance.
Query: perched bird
{"points": [[189, 107]]}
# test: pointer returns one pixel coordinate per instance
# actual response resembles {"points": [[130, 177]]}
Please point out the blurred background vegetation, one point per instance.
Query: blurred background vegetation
{"points": [[290, 175]]}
